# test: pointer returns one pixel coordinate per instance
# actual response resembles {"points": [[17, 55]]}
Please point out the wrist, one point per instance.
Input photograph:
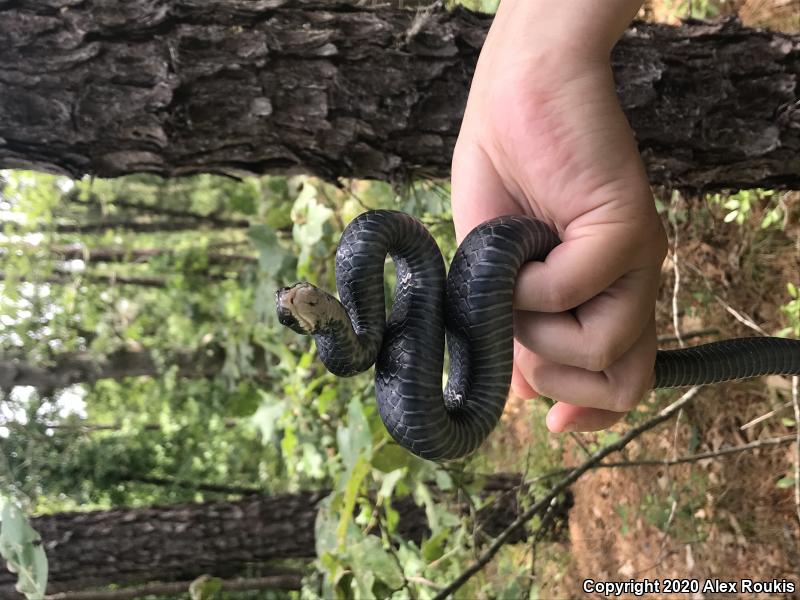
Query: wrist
{"points": [[578, 29]]}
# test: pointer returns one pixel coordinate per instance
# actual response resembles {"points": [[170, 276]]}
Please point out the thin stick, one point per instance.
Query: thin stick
{"points": [[765, 416], [745, 320], [777, 441], [796, 403], [559, 487], [663, 339], [676, 270]]}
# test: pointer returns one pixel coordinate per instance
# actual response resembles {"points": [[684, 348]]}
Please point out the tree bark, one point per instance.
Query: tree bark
{"points": [[232, 86], [182, 542]]}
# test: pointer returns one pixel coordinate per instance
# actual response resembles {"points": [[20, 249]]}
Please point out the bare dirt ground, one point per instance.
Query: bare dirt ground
{"points": [[726, 517]]}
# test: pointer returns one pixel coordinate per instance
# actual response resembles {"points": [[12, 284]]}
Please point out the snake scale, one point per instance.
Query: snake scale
{"points": [[472, 309]]}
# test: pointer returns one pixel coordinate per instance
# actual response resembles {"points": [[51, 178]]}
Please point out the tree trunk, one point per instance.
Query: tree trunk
{"points": [[73, 368], [121, 254], [93, 549], [230, 86]]}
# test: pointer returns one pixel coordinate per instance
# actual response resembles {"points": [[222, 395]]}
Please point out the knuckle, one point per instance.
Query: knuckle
{"points": [[562, 298], [539, 379], [600, 355], [624, 401]]}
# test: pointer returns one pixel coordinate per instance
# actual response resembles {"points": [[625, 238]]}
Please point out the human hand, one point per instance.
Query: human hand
{"points": [[543, 134]]}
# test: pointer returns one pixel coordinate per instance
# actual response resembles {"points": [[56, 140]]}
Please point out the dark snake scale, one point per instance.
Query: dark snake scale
{"points": [[472, 307]]}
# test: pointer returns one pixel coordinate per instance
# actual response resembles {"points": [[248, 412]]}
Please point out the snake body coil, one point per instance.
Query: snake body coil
{"points": [[473, 309]]}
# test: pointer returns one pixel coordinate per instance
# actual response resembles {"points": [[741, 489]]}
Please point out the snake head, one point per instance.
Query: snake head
{"points": [[298, 307]]}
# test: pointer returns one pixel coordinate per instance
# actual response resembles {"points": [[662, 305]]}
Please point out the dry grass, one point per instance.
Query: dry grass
{"points": [[781, 15], [717, 518], [728, 519]]}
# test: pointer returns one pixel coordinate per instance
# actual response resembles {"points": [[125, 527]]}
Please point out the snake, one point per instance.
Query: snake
{"points": [[469, 309]]}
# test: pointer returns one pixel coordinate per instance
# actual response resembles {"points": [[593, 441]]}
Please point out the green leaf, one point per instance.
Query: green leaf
{"points": [[270, 252], [205, 587], [370, 560], [391, 457], [732, 203], [388, 483], [443, 480], [785, 482], [268, 415], [360, 470], [309, 216], [433, 547], [355, 439], [325, 527], [22, 549]]}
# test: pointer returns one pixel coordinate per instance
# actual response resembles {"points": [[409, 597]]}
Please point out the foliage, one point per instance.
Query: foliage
{"points": [[22, 549], [270, 418], [742, 203], [792, 311], [695, 9], [482, 6]]}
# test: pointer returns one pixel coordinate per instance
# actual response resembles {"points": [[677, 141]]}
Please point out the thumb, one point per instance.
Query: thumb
{"points": [[587, 262], [478, 192]]}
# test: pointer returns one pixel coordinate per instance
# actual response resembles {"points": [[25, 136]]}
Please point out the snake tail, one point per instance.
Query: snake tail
{"points": [[727, 360]]}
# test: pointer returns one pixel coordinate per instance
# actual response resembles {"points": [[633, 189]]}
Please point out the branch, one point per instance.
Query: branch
{"points": [[663, 339], [562, 485], [777, 441], [74, 197], [120, 254], [796, 404]]}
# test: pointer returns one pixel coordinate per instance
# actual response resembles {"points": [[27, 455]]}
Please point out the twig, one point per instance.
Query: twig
{"points": [[676, 326], [777, 441], [663, 339], [676, 270], [736, 314], [421, 19], [424, 581], [579, 440], [559, 487], [796, 403], [764, 417]]}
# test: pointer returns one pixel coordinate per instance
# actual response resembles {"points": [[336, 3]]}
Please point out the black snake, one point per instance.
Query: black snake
{"points": [[473, 308]]}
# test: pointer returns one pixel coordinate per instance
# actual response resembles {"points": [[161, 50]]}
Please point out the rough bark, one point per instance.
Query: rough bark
{"points": [[92, 549], [182, 542], [229, 86]]}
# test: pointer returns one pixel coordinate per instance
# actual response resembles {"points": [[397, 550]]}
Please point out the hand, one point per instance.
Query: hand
{"points": [[543, 134]]}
